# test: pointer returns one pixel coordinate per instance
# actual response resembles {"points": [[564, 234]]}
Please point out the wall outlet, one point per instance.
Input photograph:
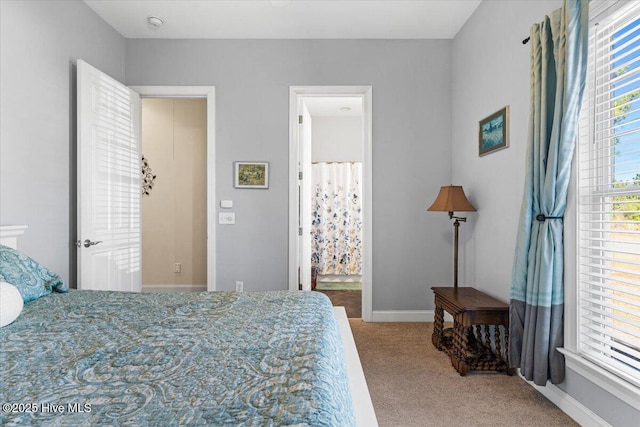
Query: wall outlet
{"points": [[239, 286], [177, 267]]}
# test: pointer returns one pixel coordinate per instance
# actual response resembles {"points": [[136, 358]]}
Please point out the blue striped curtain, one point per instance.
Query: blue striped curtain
{"points": [[558, 69]]}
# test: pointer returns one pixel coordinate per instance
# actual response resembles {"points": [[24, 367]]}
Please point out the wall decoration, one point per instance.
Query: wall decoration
{"points": [[148, 177], [494, 132], [251, 175]]}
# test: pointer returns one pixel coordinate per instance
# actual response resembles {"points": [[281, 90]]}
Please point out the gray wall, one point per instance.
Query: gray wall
{"points": [[491, 70], [418, 86], [411, 82], [40, 42], [482, 84]]}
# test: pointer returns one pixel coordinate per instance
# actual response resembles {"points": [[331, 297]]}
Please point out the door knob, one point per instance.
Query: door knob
{"points": [[88, 243]]}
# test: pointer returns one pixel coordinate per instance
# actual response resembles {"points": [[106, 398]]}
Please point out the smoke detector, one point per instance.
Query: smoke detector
{"points": [[155, 21]]}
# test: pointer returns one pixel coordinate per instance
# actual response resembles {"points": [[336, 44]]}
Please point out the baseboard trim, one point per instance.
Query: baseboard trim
{"points": [[406, 316], [174, 288], [570, 406]]}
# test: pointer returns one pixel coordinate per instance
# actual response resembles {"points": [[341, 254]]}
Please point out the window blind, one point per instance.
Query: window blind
{"points": [[608, 159]]}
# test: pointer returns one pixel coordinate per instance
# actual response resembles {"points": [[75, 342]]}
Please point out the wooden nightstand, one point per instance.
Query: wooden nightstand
{"points": [[478, 321]]}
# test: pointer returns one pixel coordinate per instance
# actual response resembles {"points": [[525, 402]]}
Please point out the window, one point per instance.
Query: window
{"points": [[608, 207]]}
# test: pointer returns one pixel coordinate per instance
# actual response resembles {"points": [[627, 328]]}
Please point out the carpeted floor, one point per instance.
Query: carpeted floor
{"points": [[413, 384]]}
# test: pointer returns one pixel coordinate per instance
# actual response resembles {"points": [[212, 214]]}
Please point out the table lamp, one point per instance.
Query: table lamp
{"points": [[452, 199]]}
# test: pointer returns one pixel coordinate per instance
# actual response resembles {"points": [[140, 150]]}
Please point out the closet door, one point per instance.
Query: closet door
{"points": [[109, 175]]}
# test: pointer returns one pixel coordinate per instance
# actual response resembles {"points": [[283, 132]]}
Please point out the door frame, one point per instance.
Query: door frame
{"points": [[208, 92], [365, 92]]}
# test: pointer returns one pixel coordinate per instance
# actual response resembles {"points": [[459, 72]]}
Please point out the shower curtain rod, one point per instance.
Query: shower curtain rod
{"points": [[316, 163]]}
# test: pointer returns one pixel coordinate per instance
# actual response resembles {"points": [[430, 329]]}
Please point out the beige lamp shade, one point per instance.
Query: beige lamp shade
{"points": [[451, 199]]}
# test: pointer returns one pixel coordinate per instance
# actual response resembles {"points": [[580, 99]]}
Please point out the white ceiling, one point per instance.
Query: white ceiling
{"points": [[287, 19], [330, 106]]}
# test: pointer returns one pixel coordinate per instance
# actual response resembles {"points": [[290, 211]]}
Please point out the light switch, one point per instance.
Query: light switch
{"points": [[226, 218], [226, 204]]}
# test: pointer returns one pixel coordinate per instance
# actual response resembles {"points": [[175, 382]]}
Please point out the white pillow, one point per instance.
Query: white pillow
{"points": [[10, 303]]}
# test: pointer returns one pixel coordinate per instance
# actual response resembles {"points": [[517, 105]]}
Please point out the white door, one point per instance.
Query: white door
{"points": [[304, 199], [109, 229]]}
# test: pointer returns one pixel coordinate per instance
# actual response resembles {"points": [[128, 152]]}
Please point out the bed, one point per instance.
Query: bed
{"points": [[210, 358]]}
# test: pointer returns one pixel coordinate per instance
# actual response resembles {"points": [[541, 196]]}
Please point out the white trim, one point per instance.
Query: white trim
{"points": [[295, 93], [362, 405], [367, 172], [174, 91], [9, 234], [571, 274], [569, 405], [604, 379], [406, 316], [608, 381], [208, 92], [603, 9], [171, 287]]}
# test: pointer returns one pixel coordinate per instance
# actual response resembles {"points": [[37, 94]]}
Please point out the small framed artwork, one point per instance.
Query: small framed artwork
{"points": [[494, 132], [251, 174]]}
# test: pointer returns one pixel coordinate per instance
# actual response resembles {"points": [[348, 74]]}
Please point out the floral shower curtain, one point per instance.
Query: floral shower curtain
{"points": [[336, 223]]}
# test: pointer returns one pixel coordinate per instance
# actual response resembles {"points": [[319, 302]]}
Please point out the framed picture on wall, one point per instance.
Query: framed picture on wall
{"points": [[251, 174], [494, 132]]}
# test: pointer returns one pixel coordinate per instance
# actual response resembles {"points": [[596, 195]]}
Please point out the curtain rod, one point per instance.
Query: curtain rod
{"points": [[525, 41], [317, 163]]}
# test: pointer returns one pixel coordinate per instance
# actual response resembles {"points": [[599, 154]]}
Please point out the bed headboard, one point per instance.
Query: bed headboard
{"points": [[9, 234]]}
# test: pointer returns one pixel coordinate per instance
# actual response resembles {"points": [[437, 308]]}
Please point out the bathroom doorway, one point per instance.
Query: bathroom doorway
{"points": [[332, 195]]}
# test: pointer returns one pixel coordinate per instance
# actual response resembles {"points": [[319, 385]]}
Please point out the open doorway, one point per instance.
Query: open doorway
{"points": [[174, 195], [330, 205], [116, 200], [180, 98], [336, 136]]}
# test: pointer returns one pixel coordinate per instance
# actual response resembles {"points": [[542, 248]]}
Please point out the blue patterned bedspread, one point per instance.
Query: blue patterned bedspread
{"points": [[259, 359]]}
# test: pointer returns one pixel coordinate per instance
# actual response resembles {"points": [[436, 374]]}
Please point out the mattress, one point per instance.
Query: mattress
{"points": [[211, 358]]}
